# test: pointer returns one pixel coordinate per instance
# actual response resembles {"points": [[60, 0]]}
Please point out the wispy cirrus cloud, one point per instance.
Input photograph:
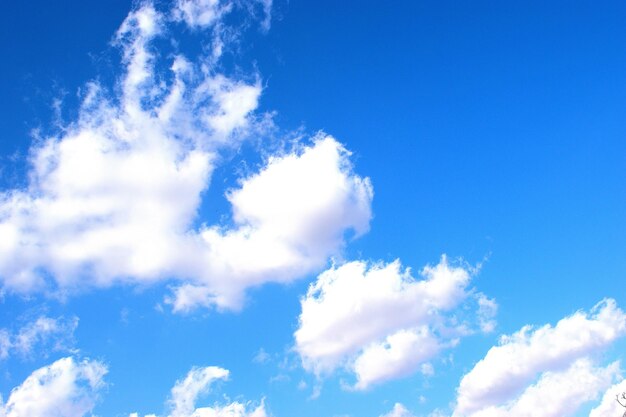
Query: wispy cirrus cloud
{"points": [[42, 334]]}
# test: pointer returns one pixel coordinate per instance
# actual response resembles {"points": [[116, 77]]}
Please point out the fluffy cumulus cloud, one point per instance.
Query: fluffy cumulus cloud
{"points": [[44, 333], [66, 388], [186, 392], [114, 198], [560, 359], [379, 322], [609, 406]]}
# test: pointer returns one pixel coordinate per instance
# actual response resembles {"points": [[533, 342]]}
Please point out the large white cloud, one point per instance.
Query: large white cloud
{"points": [[378, 321], [114, 197], [501, 380], [197, 382], [66, 388]]}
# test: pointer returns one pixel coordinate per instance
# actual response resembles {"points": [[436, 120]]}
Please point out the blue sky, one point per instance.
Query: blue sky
{"points": [[280, 208]]}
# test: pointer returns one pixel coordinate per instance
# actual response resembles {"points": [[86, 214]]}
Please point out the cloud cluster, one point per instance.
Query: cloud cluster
{"points": [[197, 382], [114, 198], [66, 388], [378, 321], [560, 359]]}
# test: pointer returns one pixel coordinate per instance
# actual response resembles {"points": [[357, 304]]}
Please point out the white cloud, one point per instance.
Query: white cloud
{"points": [[378, 321], [233, 102], [5, 343], [289, 218], [487, 309], [186, 392], [66, 388], [267, 11], [398, 410], [197, 382], [261, 356], [508, 368], [400, 354], [557, 394], [43, 329], [199, 13], [114, 198], [43, 333], [609, 405]]}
